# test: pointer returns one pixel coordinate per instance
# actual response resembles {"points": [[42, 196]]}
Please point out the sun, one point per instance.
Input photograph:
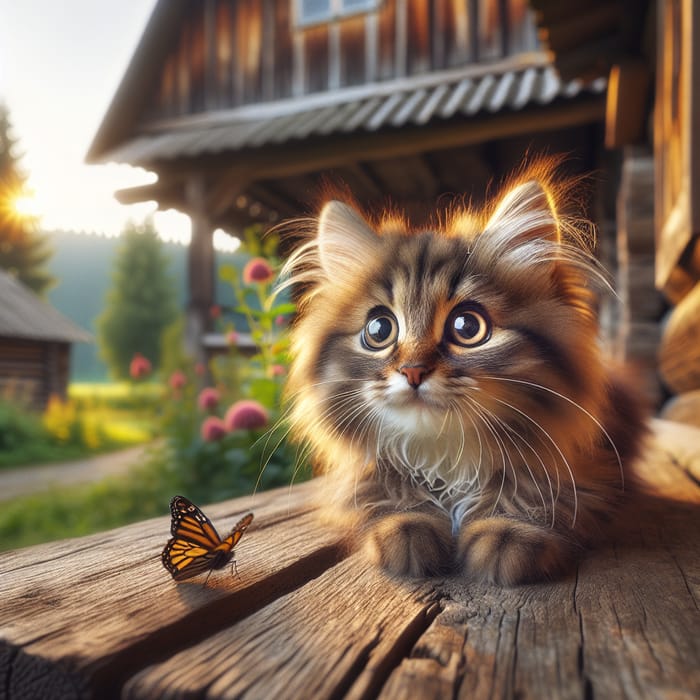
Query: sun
{"points": [[27, 206]]}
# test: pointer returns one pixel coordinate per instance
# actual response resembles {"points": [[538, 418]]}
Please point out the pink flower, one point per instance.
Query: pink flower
{"points": [[177, 380], [231, 338], [208, 399], [215, 311], [246, 415], [140, 366], [280, 320], [276, 370], [258, 270], [213, 429], [199, 369]]}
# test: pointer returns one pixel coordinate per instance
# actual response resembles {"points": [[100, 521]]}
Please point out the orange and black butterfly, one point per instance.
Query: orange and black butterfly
{"points": [[195, 546]]}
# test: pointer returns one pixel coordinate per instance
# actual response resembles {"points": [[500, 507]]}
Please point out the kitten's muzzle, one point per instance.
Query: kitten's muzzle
{"points": [[415, 374]]}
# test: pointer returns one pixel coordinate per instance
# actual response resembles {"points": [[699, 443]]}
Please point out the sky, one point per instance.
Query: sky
{"points": [[60, 65]]}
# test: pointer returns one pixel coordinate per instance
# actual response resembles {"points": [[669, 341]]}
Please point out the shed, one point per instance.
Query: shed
{"points": [[35, 342], [244, 108]]}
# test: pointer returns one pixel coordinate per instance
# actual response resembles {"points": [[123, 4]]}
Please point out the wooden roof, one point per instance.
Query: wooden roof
{"points": [[475, 90], [25, 315], [409, 133]]}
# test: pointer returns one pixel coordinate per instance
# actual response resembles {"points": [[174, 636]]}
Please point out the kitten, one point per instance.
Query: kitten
{"points": [[450, 386]]}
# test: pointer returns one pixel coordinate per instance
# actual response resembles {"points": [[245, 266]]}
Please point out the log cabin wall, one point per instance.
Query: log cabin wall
{"points": [[236, 52], [32, 370]]}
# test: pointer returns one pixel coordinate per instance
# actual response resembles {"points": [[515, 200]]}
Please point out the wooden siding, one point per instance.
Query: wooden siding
{"points": [[31, 371], [235, 52]]}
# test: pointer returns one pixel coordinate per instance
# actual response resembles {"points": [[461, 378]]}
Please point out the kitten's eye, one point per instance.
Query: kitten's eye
{"points": [[468, 326], [381, 330]]}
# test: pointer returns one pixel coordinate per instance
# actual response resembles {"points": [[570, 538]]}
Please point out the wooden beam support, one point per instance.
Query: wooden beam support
{"points": [[200, 269], [626, 109], [679, 354]]}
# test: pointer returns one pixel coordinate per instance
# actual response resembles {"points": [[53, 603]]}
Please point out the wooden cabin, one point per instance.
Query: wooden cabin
{"points": [[244, 108], [35, 343], [650, 53]]}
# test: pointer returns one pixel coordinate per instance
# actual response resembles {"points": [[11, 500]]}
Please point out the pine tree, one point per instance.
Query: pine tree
{"points": [[140, 304], [24, 251]]}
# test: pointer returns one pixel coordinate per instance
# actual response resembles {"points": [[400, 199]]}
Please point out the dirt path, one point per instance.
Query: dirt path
{"points": [[26, 480]]}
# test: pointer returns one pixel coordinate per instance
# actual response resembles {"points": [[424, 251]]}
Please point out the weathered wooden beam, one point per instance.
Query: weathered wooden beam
{"points": [[574, 29], [679, 353], [165, 192], [676, 137], [626, 111], [200, 270]]}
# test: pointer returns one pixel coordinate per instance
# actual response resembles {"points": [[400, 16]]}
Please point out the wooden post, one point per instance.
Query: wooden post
{"points": [[200, 269]]}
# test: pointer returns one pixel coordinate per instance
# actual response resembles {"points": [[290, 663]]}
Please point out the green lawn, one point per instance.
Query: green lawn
{"points": [[96, 418]]}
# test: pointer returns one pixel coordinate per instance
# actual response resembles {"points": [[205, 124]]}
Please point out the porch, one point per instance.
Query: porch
{"points": [[306, 618]]}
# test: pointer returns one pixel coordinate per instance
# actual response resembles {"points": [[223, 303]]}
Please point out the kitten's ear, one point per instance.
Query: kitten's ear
{"points": [[526, 213], [345, 241]]}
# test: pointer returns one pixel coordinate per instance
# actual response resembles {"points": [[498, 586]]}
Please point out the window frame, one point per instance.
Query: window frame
{"points": [[337, 11]]}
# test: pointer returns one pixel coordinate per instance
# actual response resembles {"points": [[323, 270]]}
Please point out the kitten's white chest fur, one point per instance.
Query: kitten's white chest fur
{"points": [[423, 437]]}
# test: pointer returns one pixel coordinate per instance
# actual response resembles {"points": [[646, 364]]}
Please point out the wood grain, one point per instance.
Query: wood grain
{"points": [[99, 616]]}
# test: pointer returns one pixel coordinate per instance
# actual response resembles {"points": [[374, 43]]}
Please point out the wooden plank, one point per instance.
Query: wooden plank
{"points": [[353, 51], [282, 50], [676, 144], [679, 353], [316, 58], [387, 54], [455, 32], [324, 640], [626, 114], [683, 408], [99, 617], [86, 614], [418, 37]]}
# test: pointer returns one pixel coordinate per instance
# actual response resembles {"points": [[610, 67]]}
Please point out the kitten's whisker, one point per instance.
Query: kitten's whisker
{"points": [[577, 405], [556, 447], [509, 431], [485, 420]]}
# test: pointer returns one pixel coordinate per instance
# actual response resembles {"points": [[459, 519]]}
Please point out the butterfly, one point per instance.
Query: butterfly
{"points": [[195, 546]]}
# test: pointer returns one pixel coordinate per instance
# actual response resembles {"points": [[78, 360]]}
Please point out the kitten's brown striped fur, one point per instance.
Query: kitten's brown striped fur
{"points": [[501, 458]]}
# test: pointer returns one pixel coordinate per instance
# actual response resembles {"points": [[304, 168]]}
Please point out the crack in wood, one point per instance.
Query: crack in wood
{"points": [[402, 648]]}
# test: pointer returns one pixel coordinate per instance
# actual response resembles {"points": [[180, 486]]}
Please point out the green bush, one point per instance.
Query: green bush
{"points": [[205, 454], [18, 428]]}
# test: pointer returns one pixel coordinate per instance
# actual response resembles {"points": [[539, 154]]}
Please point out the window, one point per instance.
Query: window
{"points": [[313, 11]]}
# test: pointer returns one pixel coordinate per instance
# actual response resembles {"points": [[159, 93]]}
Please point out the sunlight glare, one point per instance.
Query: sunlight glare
{"points": [[27, 206]]}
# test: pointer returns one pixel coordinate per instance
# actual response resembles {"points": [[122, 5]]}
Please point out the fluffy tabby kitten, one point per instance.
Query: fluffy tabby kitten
{"points": [[450, 386]]}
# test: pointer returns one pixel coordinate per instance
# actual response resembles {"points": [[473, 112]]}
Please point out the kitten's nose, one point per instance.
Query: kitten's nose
{"points": [[415, 374]]}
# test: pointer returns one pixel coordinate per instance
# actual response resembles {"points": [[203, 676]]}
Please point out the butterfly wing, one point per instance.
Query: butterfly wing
{"points": [[238, 529], [189, 523], [184, 559], [196, 546]]}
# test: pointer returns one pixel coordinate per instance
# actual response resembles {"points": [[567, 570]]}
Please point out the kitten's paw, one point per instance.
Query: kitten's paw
{"points": [[511, 552], [410, 544]]}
